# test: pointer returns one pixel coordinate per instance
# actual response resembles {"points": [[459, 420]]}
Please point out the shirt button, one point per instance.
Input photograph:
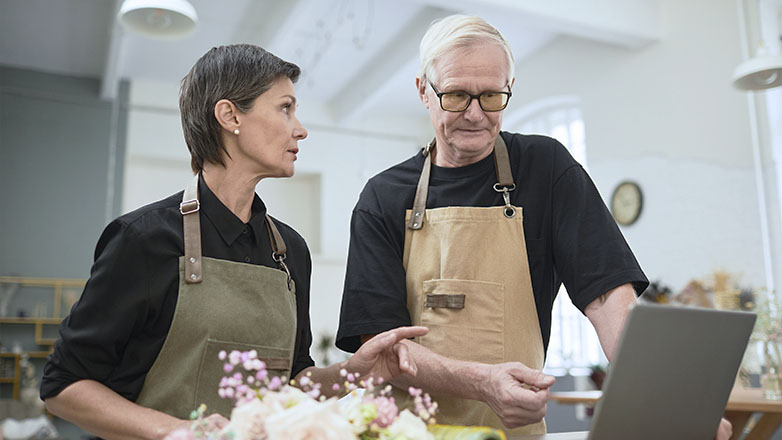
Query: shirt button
{"points": [[247, 259], [246, 230]]}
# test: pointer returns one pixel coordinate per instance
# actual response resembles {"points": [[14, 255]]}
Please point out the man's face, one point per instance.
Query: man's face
{"points": [[466, 137]]}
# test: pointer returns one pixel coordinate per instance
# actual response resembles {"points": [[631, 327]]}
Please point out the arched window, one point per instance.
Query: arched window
{"points": [[573, 342]]}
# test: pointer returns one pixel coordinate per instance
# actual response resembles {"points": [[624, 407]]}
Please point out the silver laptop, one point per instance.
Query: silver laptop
{"points": [[672, 373]]}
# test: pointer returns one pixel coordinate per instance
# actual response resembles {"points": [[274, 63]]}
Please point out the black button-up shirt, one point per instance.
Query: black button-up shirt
{"points": [[117, 328]]}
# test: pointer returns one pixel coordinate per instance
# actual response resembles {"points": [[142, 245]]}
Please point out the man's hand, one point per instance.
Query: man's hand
{"points": [[516, 393], [383, 356], [724, 431]]}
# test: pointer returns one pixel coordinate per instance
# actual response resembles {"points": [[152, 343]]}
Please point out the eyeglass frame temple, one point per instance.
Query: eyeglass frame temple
{"points": [[478, 97]]}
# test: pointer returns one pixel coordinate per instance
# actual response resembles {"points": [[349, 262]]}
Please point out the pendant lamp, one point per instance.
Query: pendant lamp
{"points": [[764, 69], [161, 19]]}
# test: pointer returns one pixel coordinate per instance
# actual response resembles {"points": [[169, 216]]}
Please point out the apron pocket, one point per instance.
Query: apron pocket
{"points": [[464, 310], [210, 371]]}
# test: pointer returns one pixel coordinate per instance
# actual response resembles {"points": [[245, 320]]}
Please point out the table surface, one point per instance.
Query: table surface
{"points": [[558, 436], [741, 399]]}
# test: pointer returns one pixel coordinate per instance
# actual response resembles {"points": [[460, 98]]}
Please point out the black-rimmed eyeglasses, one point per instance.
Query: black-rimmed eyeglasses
{"points": [[458, 101]]}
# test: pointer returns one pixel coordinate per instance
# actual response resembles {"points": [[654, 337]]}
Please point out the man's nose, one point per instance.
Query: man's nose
{"points": [[474, 112]]}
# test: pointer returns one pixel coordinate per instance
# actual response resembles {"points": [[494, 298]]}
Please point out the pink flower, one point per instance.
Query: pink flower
{"points": [[261, 375], [275, 383], [386, 410]]}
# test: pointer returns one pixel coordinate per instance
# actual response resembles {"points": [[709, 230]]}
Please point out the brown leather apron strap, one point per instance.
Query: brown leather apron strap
{"points": [[504, 183], [191, 220], [279, 249], [422, 191], [502, 163]]}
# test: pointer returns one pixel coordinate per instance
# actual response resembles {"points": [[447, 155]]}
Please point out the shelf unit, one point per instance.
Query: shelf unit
{"points": [[44, 345]]}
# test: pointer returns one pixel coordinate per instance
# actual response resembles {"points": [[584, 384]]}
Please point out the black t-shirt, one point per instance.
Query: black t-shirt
{"points": [[116, 330], [570, 234]]}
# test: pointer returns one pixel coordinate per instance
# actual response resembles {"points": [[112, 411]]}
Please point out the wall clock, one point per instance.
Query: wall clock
{"points": [[626, 203]]}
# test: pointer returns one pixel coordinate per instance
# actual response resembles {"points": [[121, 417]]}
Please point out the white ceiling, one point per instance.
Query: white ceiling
{"points": [[357, 56]]}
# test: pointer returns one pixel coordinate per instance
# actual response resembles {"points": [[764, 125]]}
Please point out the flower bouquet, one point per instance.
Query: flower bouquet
{"points": [[273, 408]]}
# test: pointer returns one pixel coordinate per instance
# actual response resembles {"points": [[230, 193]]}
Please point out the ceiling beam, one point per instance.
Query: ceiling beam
{"points": [[110, 79], [370, 83], [276, 16], [627, 23]]}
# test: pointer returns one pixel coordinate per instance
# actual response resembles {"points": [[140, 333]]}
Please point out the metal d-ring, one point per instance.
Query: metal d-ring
{"points": [[278, 258], [510, 210]]}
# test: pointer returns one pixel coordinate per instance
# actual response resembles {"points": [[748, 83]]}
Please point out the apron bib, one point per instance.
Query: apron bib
{"points": [[221, 305], [468, 281]]}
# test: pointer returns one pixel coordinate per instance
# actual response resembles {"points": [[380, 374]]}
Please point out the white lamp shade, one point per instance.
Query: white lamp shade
{"points": [[759, 73], [165, 19]]}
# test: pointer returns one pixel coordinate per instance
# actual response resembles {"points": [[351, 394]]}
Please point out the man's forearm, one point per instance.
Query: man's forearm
{"points": [[608, 314], [99, 410], [440, 375]]}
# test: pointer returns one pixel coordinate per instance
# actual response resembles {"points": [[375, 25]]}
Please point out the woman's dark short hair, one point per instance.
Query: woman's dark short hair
{"points": [[239, 73]]}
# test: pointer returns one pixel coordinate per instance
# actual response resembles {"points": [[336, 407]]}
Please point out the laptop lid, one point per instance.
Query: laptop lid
{"points": [[672, 373]]}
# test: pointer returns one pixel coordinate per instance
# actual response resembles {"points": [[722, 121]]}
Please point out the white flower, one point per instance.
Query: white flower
{"points": [[309, 420], [287, 397], [350, 406], [407, 427], [247, 420]]}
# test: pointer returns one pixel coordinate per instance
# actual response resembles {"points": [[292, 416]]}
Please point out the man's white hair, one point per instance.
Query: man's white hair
{"points": [[458, 32]]}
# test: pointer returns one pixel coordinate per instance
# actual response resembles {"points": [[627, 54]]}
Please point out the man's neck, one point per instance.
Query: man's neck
{"points": [[448, 157]]}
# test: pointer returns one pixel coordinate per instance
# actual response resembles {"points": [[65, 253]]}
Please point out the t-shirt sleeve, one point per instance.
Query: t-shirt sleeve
{"points": [[110, 309], [374, 297], [590, 253]]}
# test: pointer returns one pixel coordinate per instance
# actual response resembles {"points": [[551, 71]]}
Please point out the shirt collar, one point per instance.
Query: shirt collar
{"points": [[228, 225]]}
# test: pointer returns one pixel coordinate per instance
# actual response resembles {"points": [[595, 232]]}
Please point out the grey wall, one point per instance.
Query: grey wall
{"points": [[61, 161]]}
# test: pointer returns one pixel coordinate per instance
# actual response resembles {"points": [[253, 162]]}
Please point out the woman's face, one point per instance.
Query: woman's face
{"points": [[269, 133]]}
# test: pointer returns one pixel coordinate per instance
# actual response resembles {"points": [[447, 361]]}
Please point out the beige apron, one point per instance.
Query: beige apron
{"points": [[468, 280], [222, 305]]}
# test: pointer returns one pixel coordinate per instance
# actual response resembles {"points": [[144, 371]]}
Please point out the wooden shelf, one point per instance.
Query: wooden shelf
{"points": [[30, 354], [29, 320], [59, 288]]}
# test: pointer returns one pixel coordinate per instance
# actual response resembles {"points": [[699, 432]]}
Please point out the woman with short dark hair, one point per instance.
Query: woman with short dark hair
{"points": [[207, 269]]}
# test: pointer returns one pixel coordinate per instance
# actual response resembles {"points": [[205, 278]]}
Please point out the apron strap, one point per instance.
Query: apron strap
{"points": [[504, 183], [279, 249], [502, 164], [192, 227], [419, 204]]}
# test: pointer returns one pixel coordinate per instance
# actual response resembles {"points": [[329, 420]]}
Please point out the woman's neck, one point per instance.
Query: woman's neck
{"points": [[234, 189]]}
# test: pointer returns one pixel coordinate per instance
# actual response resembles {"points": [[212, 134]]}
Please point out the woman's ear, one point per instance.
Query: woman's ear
{"points": [[226, 114]]}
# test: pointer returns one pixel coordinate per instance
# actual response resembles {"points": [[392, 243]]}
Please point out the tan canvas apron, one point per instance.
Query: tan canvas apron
{"points": [[468, 280], [222, 305]]}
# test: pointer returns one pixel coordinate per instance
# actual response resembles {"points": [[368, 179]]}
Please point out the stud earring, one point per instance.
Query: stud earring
{"points": [[236, 132]]}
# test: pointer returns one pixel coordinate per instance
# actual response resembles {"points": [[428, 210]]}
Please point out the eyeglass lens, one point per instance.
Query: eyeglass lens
{"points": [[459, 101]]}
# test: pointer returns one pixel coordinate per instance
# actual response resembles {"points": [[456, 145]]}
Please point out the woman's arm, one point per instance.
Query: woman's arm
{"points": [[99, 410]]}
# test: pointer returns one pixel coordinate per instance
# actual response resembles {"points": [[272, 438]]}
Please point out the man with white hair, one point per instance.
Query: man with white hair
{"points": [[473, 236]]}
